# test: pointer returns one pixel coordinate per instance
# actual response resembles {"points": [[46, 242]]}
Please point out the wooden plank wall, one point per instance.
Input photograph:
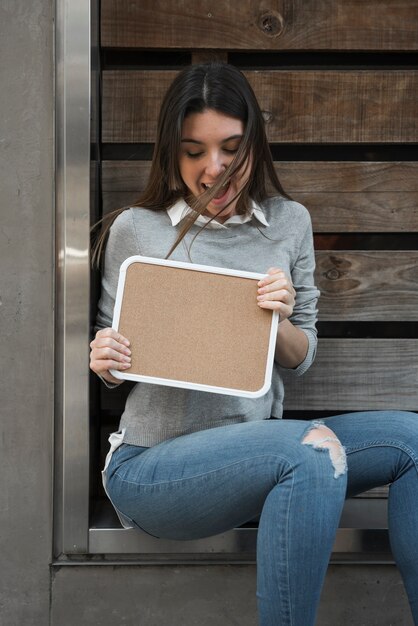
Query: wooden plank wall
{"points": [[339, 88]]}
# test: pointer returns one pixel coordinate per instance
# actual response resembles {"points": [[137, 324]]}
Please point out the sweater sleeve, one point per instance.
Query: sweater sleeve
{"points": [[305, 311], [121, 244]]}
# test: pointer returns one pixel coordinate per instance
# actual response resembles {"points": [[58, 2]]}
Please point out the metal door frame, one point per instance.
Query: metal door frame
{"points": [[73, 109]]}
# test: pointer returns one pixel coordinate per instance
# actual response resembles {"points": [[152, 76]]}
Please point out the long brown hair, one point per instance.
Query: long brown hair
{"points": [[223, 88]]}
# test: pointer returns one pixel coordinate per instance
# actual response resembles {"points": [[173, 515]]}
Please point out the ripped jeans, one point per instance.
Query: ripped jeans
{"points": [[292, 474]]}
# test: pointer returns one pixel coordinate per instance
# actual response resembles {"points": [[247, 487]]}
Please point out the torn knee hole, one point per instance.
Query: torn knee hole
{"points": [[320, 437]]}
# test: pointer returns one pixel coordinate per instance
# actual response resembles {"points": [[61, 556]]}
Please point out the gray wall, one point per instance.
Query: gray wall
{"points": [[26, 309]]}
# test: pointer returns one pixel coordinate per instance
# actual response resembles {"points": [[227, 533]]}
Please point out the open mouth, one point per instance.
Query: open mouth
{"points": [[222, 191]]}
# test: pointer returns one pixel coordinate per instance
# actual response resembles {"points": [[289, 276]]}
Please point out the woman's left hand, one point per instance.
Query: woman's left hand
{"points": [[276, 292]]}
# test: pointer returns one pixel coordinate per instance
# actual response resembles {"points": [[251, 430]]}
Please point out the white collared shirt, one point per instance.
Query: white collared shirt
{"points": [[180, 209]]}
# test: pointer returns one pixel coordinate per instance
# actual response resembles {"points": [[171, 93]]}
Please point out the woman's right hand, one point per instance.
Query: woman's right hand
{"points": [[109, 350]]}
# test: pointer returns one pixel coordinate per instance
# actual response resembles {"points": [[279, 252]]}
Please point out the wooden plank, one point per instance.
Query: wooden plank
{"points": [[355, 196], [358, 374], [297, 176], [337, 106], [368, 212], [377, 492], [124, 175], [367, 286], [348, 176], [254, 25], [111, 201], [341, 196], [301, 106], [130, 104]]}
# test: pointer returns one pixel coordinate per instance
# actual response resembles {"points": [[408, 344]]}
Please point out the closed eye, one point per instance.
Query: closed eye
{"points": [[195, 155]]}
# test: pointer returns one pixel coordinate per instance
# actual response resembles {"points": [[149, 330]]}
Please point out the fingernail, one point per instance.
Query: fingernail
{"points": [[127, 359], [126, 365], [128, 352]]}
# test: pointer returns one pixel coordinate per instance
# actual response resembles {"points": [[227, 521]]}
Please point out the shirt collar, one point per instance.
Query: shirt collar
{"points": [[180, 209]]}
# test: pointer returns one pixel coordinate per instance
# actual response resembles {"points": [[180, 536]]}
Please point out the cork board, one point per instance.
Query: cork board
{"points": [[195, 326]]}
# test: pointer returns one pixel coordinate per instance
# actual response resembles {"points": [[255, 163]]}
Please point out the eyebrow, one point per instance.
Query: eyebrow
{"points": [[187, 140]]}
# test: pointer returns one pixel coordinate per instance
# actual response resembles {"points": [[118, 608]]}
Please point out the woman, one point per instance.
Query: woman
{"points": [[188, 464]]}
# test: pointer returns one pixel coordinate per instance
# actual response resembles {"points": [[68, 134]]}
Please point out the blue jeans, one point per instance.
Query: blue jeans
{"points": [[210, 481]]}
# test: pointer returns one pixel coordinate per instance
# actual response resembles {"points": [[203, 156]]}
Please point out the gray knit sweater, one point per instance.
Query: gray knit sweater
{"points": [[154, 413]]}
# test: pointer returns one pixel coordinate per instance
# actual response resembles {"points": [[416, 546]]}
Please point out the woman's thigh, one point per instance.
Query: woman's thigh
{"points": [[206, 482], [378, 446]]}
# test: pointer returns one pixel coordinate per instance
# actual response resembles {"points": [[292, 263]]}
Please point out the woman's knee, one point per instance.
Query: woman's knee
{"points": [[322, 438], [301, 439]]}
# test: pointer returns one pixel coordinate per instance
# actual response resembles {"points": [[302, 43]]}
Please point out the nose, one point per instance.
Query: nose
{"points": [[215, 164]]}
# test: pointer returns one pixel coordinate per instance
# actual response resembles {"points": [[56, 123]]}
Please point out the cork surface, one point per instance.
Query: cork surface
{"points": [[194, 326]]}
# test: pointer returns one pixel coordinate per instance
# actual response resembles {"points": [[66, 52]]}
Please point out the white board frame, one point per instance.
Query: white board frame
{"points": [[124, 375]]}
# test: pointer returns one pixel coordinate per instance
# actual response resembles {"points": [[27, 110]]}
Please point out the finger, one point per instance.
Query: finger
{"points": [[282, 283], [103, 354], [281, 308], [114, 334], [271, 277], [281, 295], [101, 366], [109, 342]]}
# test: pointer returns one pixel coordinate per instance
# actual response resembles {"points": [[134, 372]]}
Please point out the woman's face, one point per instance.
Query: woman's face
{"points": [[209, 141]]}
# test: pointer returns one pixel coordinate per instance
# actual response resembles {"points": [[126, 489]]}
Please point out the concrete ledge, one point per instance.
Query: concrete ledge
{"points": [[218, 595]]}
